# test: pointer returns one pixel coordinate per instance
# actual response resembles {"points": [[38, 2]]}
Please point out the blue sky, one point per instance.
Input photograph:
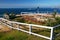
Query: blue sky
{"points": [[29, 3]]}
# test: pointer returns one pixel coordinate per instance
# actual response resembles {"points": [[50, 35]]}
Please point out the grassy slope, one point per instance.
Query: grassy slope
{"points": [[18, 35]]}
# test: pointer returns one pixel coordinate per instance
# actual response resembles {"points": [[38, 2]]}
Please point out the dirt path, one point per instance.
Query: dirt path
{"points": [[4, 28]]}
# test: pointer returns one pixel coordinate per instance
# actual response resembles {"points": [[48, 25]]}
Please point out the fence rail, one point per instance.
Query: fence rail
{"points": [[10, 24]]}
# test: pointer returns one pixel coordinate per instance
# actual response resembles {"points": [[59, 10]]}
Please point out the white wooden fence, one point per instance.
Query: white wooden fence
{"points": [[9, 24]]}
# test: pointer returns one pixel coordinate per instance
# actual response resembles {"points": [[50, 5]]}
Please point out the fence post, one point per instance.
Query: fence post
{"points": [[11, 24], [18, 26], [52, 34], [30, 29]]}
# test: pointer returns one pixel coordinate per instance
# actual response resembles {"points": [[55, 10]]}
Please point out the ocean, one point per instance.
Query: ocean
{"points": [[19, 10]]}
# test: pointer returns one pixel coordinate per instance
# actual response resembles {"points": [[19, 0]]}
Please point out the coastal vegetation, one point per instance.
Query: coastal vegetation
{"points": [[53, 22], [20, 35], [10, 16], [50, 21]]}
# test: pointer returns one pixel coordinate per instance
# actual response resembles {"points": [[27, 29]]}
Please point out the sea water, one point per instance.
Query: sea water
{"points": [[19, 10]]}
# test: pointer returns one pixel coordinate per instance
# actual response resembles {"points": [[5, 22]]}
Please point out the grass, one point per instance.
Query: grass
{"points": [[18, 35]]}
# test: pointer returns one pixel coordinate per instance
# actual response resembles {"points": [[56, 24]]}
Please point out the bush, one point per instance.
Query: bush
{"points": [[58, 20], [12, 16]]}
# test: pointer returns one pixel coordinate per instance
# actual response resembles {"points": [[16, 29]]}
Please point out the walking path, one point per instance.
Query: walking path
{"points": [[4, 28]]}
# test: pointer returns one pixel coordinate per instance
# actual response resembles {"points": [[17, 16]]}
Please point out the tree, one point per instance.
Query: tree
{"points": [[12, 15]]}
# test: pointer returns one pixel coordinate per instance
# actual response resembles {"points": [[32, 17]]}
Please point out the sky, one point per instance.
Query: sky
{"points": [[28, 3]]}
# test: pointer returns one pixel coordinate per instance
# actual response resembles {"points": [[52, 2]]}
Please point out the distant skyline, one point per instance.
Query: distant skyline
{"points": [[28, 3]]}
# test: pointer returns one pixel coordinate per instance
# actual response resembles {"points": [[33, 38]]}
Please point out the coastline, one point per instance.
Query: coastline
{"points": [[43, 14]]}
